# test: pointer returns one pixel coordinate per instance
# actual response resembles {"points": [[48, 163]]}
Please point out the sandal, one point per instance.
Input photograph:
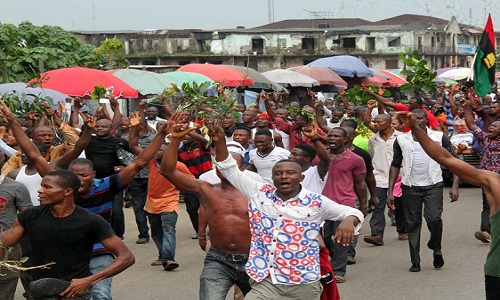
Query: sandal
{"points": [[157, 262], [339, 279], [170, 265]]}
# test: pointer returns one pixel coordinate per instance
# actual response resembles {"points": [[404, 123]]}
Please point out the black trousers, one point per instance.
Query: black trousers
{"points": [[492, 287], [192, 207]]}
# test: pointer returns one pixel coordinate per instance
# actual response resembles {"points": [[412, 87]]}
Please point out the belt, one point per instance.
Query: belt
{"points": [[230, 256]]}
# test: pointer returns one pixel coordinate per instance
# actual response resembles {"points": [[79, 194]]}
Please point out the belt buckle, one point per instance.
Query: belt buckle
{"points": [[238, 257]]}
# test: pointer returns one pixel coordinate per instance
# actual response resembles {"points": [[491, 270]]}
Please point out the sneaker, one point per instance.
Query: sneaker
{"points": [[374, 240], [393, 222], [142, 240], [194, 237], [351, 260], [170, 265], [415, 268], [483, 236], [127, 204], [403, 236]]}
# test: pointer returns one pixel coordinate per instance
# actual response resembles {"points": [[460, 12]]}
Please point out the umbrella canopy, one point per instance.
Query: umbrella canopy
{"points": [[259, 81], [376, 79], [443, 81], [180, 77], [396, 80], [146, 83], [80, 82], [20, 88], [344, 65], [219, 73], [442, 70], [457, 73], [290, 78], [322, 75]]}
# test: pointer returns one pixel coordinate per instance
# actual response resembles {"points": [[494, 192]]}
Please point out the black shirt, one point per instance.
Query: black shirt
{"points": [[102, 152], [66, 241]]}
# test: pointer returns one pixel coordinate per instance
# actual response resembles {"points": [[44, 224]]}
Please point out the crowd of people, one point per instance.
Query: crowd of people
{"points": [[275, 197]]}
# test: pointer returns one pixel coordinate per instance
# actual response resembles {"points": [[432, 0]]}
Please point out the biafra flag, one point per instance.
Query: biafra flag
{"points": [[484, 64]]}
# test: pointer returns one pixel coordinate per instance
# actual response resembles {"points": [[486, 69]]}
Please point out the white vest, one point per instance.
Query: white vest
{"points": [[406, 142]]}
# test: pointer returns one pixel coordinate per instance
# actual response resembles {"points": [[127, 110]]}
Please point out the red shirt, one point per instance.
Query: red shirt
{"points": [[296, 135], [340, 181], [432, 122]]}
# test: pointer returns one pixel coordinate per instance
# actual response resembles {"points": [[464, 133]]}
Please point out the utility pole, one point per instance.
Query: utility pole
{"points": [[270, 11]]}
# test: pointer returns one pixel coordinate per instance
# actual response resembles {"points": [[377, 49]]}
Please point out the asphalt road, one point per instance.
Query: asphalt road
{"points": [[380, 272]]}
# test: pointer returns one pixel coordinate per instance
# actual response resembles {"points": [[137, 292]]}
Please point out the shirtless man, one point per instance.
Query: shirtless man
{"points": [[489, 181], [226, 211]]}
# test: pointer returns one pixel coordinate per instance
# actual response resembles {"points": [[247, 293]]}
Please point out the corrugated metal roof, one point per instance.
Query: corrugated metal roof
{"points": [[315, 23]]}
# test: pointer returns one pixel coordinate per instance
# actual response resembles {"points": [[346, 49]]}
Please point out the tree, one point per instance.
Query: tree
{"points": [[23, 46], [113, 51]]}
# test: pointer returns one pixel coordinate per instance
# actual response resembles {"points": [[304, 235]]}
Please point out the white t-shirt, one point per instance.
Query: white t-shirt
{"points": [[312, 181], [265, 164], [420, 171]]}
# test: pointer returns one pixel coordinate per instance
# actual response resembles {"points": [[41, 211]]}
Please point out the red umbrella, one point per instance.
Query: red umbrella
{"points": [[323, 75], [218, 73], [376, 79], [397, 80], [80, 82]]}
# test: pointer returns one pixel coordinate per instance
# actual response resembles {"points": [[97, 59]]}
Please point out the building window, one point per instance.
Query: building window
{"points": [[281, 43], [394, 41], [391, 64], [370, 44], [307, 43], [258, 45], [349, 43]]}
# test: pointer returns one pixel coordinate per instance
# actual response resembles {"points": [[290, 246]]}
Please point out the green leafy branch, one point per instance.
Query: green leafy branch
{"points": [[357, 96], [419, 76], [294, 111], [98, 92], [194, 96]]}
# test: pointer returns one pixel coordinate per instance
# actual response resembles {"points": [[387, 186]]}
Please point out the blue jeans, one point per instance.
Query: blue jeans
{"points": [[102, 289], [138, 190], [163, 233], [220, 273]]}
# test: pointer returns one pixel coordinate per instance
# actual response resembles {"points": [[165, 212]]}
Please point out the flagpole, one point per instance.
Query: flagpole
{"points": [[472, 66]]}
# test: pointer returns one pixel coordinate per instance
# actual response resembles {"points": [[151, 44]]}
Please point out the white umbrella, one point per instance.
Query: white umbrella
{"points": [[458, 73], [290, 78]]}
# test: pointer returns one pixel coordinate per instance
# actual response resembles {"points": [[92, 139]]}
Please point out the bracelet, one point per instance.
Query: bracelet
{"points": [[202, 237], [314, 140]]}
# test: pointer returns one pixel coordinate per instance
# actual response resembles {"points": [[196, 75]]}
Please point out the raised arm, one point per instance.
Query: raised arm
{"points": [[117, 115], [133, 139], [31, 151], [128, 173], [169, 161], [319, 119], [367, 117], [269, 108], [321, 152], [377, 97], [469, 116], [80, 145], [168, 109]]}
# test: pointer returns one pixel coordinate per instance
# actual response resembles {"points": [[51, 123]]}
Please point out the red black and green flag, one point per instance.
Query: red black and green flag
{"points": [[484, 64]]}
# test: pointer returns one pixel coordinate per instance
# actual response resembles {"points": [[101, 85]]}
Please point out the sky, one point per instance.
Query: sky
{"points": [[217, 14]]}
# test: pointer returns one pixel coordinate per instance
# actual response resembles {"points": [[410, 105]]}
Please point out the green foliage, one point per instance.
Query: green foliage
{"points": [[20, 105], [111, 54], [98, 92], [418, 75], [195, 96], [357, 96], [23, 46], [293, 111]]}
